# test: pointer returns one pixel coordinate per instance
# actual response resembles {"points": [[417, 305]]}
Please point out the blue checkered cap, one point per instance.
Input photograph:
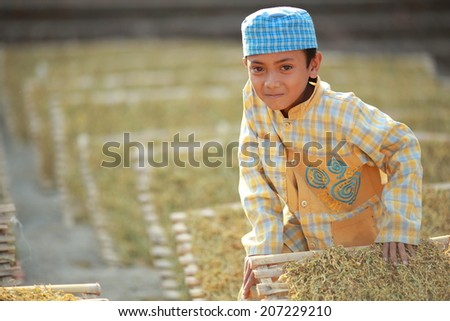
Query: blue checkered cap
{"points": [[277, 29]]}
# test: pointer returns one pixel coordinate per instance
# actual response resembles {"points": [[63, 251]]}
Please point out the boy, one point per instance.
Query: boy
{"points": [[318, 168]]}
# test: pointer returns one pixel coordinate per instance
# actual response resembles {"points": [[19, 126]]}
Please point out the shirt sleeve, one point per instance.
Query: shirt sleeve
{"points": [[261, 203], [394, 149]]}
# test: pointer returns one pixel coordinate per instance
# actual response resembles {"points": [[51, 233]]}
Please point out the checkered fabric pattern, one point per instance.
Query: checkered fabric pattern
{"points": [[276, 30], [371, 137]]}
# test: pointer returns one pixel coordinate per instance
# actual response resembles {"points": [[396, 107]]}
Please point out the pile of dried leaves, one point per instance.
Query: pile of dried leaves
{"points": [[336, 274], [218, 252], [34, 294]]}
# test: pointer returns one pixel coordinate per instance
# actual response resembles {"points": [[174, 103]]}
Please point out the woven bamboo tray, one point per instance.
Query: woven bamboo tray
{"points": [[268, 268], [9, 270]]}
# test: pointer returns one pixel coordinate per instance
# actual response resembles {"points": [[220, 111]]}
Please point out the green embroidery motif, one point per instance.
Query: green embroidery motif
{"points": [[337, 167], [343, 191], [346, 190], [317, 177]]}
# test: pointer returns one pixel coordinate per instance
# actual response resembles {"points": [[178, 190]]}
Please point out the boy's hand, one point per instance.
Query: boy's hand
{"points": [[249, 279], [391, 249]]}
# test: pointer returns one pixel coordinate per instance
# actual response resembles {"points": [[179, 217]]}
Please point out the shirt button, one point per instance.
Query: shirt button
{"points": [[287, 124], [312, 246], [293, 162], [304, 203]]}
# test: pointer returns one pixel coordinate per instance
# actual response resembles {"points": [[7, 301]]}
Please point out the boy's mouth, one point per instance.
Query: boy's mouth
{"points": [[274, 95]]}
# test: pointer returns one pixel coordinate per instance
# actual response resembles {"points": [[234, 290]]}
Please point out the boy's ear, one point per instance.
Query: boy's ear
{"points": [[244, 61], [314, 66]]}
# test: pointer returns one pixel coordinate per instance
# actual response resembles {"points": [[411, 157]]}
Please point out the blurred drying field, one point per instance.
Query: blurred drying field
{"points": [[72, 100]]}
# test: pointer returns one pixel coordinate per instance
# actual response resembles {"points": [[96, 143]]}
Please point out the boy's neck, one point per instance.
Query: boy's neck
{"points": [[309, 90]]}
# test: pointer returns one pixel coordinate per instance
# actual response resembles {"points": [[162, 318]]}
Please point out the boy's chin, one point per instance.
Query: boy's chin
{"points": [[277, 107]]}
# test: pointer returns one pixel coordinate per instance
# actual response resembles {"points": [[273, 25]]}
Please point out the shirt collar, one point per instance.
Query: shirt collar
{"points": [[299, 110]]}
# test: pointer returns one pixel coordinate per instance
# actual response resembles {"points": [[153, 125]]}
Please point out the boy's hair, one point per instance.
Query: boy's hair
{"points": [[310, 54]]}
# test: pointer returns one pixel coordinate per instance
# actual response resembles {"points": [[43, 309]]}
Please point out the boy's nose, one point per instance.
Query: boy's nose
{"points": [[272, 81]]}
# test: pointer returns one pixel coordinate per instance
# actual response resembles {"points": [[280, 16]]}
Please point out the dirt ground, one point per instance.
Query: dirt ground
{"points": [[50, 252]]}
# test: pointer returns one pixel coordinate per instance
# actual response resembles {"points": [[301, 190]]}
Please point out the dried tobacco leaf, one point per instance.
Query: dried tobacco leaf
{"points": [[34, 294], [218, 252], [337, 274]]}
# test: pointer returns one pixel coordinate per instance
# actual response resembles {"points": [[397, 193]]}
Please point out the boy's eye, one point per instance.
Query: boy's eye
{"points": [[286, 67], [257, 69]]}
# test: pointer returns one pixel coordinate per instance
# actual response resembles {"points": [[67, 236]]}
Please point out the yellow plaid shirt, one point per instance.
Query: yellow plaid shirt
{"points": [[355, 134]]}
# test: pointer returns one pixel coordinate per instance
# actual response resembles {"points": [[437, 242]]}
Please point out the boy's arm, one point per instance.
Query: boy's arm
{"points": [[393, 148], [262, 205]]}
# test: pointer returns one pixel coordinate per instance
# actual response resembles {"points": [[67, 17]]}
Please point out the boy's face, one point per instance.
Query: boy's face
{"points": [[280, 79]]}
